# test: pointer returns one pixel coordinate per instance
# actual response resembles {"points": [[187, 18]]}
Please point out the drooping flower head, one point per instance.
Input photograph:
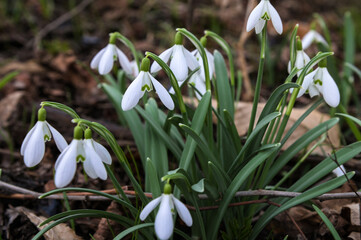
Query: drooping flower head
{"points": [[164, 225], [145, 82], [263, 12], [320, 81], [198, 78], [313, 36], [104, 60], [301, 58], [33, 146], [180, 60], [87, 151]]}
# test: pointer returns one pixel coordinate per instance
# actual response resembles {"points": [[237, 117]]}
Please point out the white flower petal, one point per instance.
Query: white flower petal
{"points": [[133, 93], [210, 59], [260, 25], [178, 64], [135, 69], [149, 207], [93, 157], [255, 15], [330, 90], [27, 138], [320, 39], [124, 62], [66, 166], [94, 64], [308, 39], [107, 60], [190, 59], [165, 57], [275, 18], [183, 212], [306, 83], [338, 171], [313, 90], [58, 138], [102, 152], [164, 221], [88, 168], [162, 93], [35, 147]]}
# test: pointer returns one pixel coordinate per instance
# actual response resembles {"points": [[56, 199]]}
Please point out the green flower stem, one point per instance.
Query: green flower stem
{"points": [[350, 123], [289, 173], [221, 42], [259, 80], [174, 82], [109, 138], [201, 50], [127, 43]]}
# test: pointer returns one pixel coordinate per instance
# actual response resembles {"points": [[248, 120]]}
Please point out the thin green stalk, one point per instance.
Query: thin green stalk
{"points": [[259, 80], [129, 44], [350, 123], [289, 173], [67, 207]]}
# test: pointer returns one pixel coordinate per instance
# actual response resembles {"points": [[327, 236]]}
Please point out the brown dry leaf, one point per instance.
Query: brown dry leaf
{"points": [[354, 213], [243, 114], [59, 232], [9, 108], [30, 66], [103, 231], [354, 236]]}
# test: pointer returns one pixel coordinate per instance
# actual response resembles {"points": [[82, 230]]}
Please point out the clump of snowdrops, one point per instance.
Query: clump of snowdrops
{"points": [[214, 165]]}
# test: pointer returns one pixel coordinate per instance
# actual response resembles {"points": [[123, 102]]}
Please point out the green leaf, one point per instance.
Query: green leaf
{"points": [[131, 117], [309, 194], [235, 185], [169, 142], [225, 46], [221, 178], [293, 48], [224, 94], [199, 186], [153, 179], [260, 125], [7, 78], [197, 124], [356, 120], [298, 145], [327, 222]]}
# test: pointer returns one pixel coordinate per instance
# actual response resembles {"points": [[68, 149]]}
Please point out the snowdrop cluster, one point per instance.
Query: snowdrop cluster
{"points": [[88, 151], [164, 220]]}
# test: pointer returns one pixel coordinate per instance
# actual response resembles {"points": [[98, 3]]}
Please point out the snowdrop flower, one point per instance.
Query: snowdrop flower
{"points": [[95, 155], [180, 60], [198, 78], [91, 153], [312, 36], [104, 60], [320, 81], [301, 58], [164, 220], [135, 68], [145, 82], [263, 12], [33, 146]]}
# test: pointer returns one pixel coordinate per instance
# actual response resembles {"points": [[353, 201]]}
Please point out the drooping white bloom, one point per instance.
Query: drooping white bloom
{"points": [[263, 12], [164, 220], [95, 155], [33, 146], [180, 61], [198, 82], [301, 58], [135, 68], [145, 82], [88, 151], [312, 36], [65, 165], [104, 60], [210, 60], [320, 81]]}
